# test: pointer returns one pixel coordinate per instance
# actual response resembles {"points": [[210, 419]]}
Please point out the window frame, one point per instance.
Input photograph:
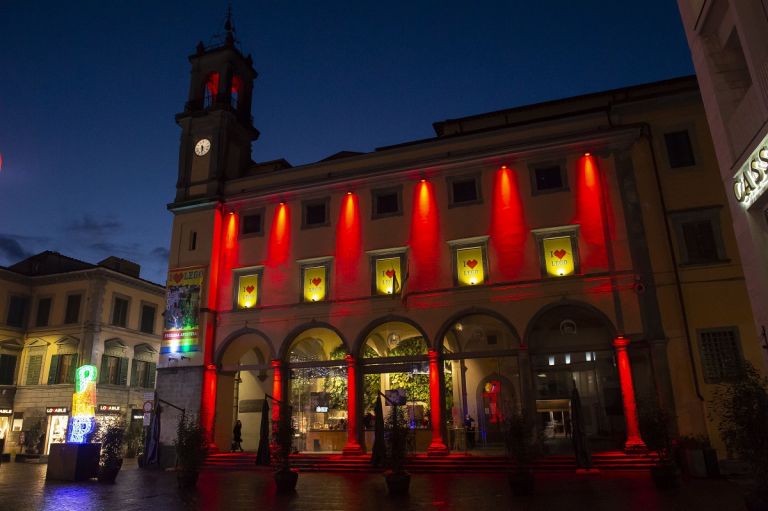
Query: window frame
{"points": [[708, 213], [252, 212], [37, 311], [476, 178], [377, 192], [571, 231], [689, 128], [480, 242], [387, 253], [115, 298], [533, 167], [326, 202], [248, 271], [305, 264], [24, 320], [739, 354], [79, 306], [154, 308]]}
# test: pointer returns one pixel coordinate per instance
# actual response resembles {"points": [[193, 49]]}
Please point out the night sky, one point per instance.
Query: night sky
{"points": [[89, 90]]}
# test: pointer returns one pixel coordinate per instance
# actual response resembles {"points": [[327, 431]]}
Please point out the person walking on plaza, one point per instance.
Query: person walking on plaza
{"points": [[237, 437]]}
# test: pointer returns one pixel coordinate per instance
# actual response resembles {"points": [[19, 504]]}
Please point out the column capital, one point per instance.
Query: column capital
{"points": [[276, 363], [350, 359], [620, 343], [432, 354]]}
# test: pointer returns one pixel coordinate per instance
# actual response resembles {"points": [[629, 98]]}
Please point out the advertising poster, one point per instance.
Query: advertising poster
{"points": [[247, 291], [182, 311], [314, 284], [558, 256], [470, 267], [388, 276]]}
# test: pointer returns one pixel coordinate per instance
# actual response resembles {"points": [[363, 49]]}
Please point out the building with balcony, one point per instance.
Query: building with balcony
{"points": [[59, 313], [491, 269]]}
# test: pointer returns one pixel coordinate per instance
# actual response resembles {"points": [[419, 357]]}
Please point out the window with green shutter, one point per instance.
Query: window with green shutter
{"points": [[62, 369], [33, 370]]}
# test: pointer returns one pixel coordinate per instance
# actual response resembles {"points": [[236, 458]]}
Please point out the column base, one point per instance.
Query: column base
{"points": [[635, 447], [213, 448], [352, 449], [437, 449]]}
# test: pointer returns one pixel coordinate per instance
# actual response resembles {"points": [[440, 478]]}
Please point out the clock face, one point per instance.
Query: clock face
{"points": [[202, 147]]}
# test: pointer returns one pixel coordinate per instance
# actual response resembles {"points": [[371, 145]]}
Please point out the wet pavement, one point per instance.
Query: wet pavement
{"points": [[23, 487]]}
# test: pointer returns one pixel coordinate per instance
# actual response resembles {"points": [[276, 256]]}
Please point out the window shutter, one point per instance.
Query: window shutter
{"points": [[72, 370], [151, 373], [104, 369], [123, 378], [133, 372], [33, 369], [54, 370]]}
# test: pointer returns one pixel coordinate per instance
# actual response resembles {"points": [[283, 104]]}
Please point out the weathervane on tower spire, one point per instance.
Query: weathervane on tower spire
{"points": [[229, 26]]}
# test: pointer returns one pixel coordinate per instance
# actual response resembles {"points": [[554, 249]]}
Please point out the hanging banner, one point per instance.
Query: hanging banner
{"points": [[558, 256], [388, 276], [314, 284], [248, 291], [470, 267], [182, 311]]}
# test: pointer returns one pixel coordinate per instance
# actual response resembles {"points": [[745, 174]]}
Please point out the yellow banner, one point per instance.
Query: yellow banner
{"points": [[470, 267], [314, 284], [248, 291], [388, 276], [558, 256]]}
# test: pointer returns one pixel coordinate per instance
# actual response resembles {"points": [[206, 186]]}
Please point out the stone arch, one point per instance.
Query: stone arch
{"points": [[294, 334], [586, 318], [473, 311], [391, 318], [238, 340]]}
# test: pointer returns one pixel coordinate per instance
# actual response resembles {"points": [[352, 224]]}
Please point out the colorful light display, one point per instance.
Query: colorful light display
{"points": [[83, 419]]}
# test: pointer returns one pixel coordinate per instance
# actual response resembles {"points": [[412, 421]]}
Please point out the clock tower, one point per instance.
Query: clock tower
{"points": [[216, 124]]}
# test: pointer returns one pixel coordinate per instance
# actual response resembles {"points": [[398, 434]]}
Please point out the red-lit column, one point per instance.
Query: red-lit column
{"points": [[634, 442], [437, 447], [277, 393], [353, 446], [208, 405]]}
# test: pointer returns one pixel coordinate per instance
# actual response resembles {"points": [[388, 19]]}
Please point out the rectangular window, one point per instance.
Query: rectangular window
{"points": [[463, 190], [17, 311], [62, 369], [148, 319], [679, 149], [120, 312], [387, 202], [314, 282], [549, 178], [558, 251], [34, 366], [114, 370], [314, 213], [72, 314], [720, 355], [248, 289], [699, 236], [470, 265], [192, 240], [43, 311], [143, 374], [252, 223], [7, 369], [388, 275]]}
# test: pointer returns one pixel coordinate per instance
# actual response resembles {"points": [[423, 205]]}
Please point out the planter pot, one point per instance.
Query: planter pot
{"points": [[187, 478], [522, 482], [285, 480], [108, 474], [665, 476], [398, 482], [710, 461], [756, 500], [693, 462]]}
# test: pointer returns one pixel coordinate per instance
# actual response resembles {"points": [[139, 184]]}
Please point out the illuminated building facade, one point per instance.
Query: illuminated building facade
{"points": [[485, 271], [729, 46], [60, 313]]}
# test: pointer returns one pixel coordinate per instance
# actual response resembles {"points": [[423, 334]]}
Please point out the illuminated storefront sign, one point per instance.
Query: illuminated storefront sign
{"points": [[470, 266], [247, 291], [109, 409], [182, 306], [558, 256], [57, 410], [388, 276], [83, 418], [315, 283], [6, 411], [752, 178]]}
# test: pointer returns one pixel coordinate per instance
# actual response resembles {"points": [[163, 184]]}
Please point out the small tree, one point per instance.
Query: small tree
{"points": [[654, 423], [397, 439], [191, 444], [284, 438], [743, 412], [32, 436], [521, 440]]}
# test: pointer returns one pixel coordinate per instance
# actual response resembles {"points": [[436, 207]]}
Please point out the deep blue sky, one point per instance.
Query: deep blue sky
{"points": [[88, 91]]}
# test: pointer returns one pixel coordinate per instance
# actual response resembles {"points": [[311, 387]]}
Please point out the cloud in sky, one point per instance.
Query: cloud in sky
{"points": [[11, 249]]}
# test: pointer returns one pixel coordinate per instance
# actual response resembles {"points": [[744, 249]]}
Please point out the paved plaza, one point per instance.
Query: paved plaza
{"points": [[23, 487]]}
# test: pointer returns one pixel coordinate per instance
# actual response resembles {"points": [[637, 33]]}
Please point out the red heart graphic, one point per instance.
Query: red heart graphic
{"points": [[390, 273], [249, 289], [177, 277], [316, 281], [560, 253], [472, 263]]}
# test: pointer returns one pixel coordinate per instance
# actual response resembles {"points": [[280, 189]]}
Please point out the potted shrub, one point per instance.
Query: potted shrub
{"points": [[654, 424], [111, 457], [134, 439], [285, 477], [697, 457], [191, 448], [522, 449], [743, 413], [398, 480], [34, 437]]}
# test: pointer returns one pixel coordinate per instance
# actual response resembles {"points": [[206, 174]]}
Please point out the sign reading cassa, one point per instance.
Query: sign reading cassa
{"points": [[470, 268], [315, 283], [558, 256], [752, 178]]}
